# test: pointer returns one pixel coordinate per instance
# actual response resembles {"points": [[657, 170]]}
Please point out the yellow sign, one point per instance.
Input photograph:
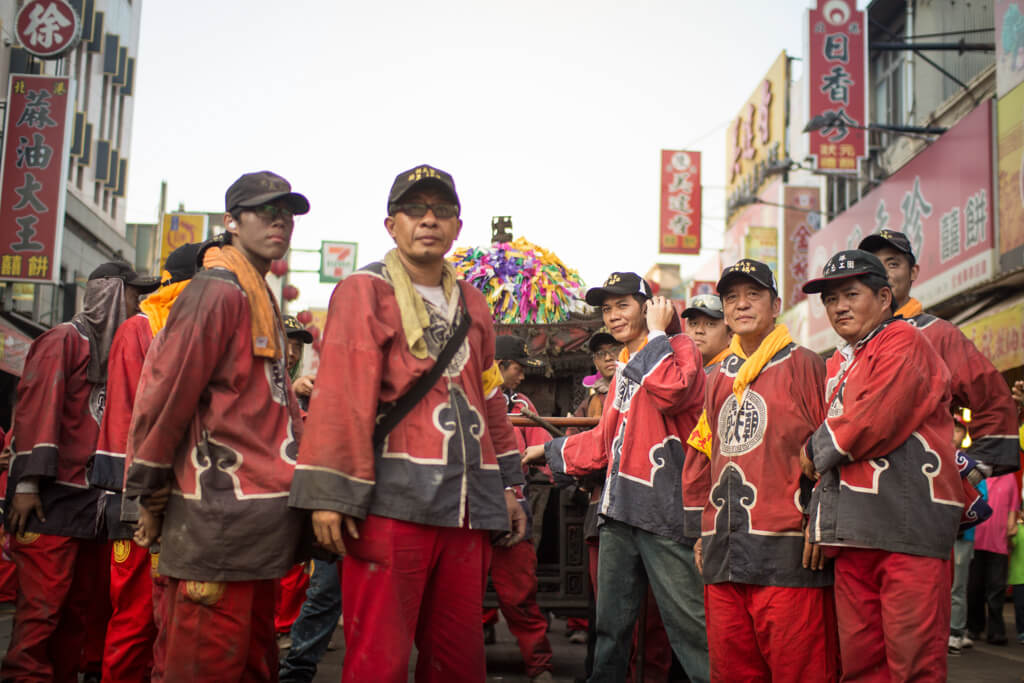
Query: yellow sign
{"points": [[999, 335], [1010, 128], [180, 229], [762, 244], [756, 139]]}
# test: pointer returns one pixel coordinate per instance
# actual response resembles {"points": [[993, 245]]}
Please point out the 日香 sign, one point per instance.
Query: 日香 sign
{"points": [[32, 182], [47, 28], [942, 200], [680, 203], [837, 83], [337, 260]]}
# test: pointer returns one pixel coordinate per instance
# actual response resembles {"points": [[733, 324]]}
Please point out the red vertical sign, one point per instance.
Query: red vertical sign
{"points": [[680, 203], [32, 181], [837, 81], [800, 221]]}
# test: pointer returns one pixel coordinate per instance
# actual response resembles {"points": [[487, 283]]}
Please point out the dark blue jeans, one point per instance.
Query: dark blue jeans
{"points": [[628, 559], [311, 632]]}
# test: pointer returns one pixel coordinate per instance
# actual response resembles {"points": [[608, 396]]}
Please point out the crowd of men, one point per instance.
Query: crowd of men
{"points": [[783, 517]]}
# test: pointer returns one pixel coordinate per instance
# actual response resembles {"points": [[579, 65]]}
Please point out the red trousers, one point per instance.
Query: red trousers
{"points": [[61, 602], [290, 593], [404, 582], [893, 614], [160, 608], [219, 631], [771, 633], [514, 575], [128, 651], [8, 574]]}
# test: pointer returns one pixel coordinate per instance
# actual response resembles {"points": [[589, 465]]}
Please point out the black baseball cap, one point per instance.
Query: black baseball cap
{"points": [[749, 269], [600, 338], [294, 329], [705, 304], [888, 238], [619, 284], [846, 264], [182, 263], [123, 271], [508, 347], [261, 187], [415, 177]]}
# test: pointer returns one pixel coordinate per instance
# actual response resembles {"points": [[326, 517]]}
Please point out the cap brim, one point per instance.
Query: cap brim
{"points": [[732, 277], [818, 285], [305, 336], [297, 203], [144, 284], [702, 311]]}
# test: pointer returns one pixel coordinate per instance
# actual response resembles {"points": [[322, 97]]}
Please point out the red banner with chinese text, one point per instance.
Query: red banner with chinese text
{"points": [[801, 219], [837, 83], [32, 181], [680, 203]]}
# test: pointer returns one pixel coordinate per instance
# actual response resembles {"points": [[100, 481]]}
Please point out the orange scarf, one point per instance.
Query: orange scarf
{"points": [[267, 326], [157, 306], [624, 353], [719, 358], [910, 309]]}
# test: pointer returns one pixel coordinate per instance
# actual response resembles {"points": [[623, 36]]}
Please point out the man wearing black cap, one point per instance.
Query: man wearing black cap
{"points": [[705, 324], [54, 516], [889, 499], [130, 632], [976, 384], [412, 503], [216, 421], [657, 395], [769, 609], [298, 338]]}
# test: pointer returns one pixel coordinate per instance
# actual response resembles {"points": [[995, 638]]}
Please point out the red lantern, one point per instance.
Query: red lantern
{"points": [[304, 317], [290, 292], [279, 267], [315, 331]]}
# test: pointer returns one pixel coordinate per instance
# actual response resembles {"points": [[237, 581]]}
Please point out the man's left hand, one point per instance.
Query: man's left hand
{"points": [[660, 312], [516, 520], [813, 558], [303, 386]]}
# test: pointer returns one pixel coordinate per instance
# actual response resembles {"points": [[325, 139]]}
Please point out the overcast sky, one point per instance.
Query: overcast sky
{"points": [[552, 112]]}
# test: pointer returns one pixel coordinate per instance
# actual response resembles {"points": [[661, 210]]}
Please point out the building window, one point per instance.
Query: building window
{"points": [[887, 92]]}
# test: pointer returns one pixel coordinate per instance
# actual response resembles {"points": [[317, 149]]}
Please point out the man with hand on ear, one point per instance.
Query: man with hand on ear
{"points": [[217, 422]]}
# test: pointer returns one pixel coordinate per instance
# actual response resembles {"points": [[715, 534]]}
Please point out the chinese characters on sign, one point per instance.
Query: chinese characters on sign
{"points": [[801, 221], [32, 190], [337, 260], [837, 80], [680, 203], [47, 28], [756, 138]]}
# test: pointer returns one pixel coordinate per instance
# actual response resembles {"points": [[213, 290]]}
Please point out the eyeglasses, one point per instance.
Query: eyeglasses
{"points": [[609, 354], [270, 213], [419, 210]]}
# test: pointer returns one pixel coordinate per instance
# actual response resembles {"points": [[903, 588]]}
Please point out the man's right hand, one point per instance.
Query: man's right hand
{"points": [[534, 455], [698, 555], [24, 505], [327, 526]]}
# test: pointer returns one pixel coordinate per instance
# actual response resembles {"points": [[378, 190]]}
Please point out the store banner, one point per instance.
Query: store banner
{"points": [[698, 287], [999, 334], [837, 70], [801, 219], [762, 244], [32, 182], [179, 229], [942, 199], [680, 203], [1011, 180], [1009, 17]]}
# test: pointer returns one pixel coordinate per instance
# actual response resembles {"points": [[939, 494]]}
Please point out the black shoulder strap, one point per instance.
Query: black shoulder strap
{"points": [[400, 408]]}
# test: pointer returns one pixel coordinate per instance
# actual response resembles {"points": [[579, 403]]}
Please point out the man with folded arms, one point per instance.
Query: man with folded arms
{"points": [[889, 499]]}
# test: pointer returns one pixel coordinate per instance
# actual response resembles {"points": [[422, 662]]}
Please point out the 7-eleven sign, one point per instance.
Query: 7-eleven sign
{"points": [[337, 260]]}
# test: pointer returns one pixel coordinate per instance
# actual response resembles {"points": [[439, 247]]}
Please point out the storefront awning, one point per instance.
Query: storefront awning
{"points": [[998, 332]]}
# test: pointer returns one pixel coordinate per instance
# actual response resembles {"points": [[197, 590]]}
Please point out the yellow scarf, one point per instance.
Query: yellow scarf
{"points": [[157, 306], [910, 309], [720, 357], [267, 326], [752, 366], [415, 318]]}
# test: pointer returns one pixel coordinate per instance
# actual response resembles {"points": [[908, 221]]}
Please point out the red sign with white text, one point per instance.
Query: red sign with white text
{"points": [[47, 28], [680, 203], [35, 160], [837, 82], [942, 201], [801, 220]]}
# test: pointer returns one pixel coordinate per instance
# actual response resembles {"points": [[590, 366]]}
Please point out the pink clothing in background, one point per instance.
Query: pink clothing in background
{"points": [[990, 535]]}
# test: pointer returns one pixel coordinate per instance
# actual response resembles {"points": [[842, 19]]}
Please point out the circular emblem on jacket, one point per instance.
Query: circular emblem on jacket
{"points": [[741, 428], [122, 549], [204, 592], [27, 538]]}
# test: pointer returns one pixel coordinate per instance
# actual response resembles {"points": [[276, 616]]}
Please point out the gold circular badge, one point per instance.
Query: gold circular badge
{"points": [[204, 592], [122, 549], [27, 538]]}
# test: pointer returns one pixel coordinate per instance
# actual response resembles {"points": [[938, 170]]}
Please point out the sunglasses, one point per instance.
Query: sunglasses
{"points": [[270, 213], [419, 210], [610, 354]]}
